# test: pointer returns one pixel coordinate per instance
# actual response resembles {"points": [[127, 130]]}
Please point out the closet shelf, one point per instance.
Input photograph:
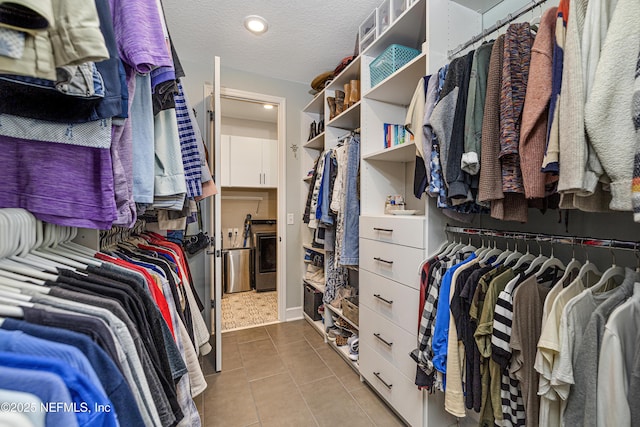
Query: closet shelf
{"points": [[317, 287], [338, 311], [315, 143], [349, 119], [311, 248], [405, 31], [316, 105], [400, 153], [344, 352], [399, 87], [351, 72], [315, 323], [479, 6]]}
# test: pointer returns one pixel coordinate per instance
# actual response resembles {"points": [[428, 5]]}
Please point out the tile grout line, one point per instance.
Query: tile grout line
{"points": [[315, 420]]}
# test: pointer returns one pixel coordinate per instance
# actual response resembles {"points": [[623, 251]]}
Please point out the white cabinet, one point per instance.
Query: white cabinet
{"points": [[249, 162]]}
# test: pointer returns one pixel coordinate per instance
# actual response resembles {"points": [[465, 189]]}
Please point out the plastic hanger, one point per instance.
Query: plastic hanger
{"points": [[25, 236], [519, 258], [468, 248], [16, 284], [536, 262], [587, 268], [506, 253], [609, 273], [491, 252], [11, 311], [21, 277], [482, 249], [572, 266], [552, 262]]}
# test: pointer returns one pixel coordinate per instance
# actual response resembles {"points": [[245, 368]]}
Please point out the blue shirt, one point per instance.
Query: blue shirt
{"points": [[84, 394], [47, 386], [21, 343], [114, 384], [441, 328]]}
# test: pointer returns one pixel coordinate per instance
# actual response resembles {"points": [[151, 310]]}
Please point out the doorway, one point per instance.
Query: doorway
{"points": [[252, 187]]}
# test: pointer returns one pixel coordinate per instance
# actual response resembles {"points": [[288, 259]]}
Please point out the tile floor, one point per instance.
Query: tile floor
{"points": [[285, 375]]}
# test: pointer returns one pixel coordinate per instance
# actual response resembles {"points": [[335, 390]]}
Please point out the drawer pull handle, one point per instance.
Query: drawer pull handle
{"points": [[387, 343], [383, 299], [383, 260], [387, 385], [386, 230]]}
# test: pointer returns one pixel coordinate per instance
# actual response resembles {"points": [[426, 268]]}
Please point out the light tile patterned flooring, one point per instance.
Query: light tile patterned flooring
{"points": [[285, 375], [246, 309]]}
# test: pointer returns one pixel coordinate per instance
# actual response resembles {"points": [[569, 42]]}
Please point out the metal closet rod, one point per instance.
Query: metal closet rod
{"points": [[501, 23], [541, 237]]}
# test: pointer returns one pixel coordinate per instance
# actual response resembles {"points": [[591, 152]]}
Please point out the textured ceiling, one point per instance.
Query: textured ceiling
{"points": [[305, 37]]}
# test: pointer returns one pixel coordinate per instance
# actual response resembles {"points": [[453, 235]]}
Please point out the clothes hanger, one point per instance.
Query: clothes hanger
{"points": [[24, 225], [19, 285], [537, 261], [10, 311], [468, 248], [506, 253], [491, 252], [21, 277], [572, 266], [482, 249], [517, 258], [552, 262], [610, 273], [587, 268], [61, 235]]}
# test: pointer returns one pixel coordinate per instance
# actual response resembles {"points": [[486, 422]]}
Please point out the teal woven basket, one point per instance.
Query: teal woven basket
{"points": [[390, 61]]}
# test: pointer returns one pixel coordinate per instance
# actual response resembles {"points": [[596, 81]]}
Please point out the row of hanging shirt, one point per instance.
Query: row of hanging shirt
{"points": [[535, 115], [93, 92], [118, 330], [502, 333], [333, 200]]}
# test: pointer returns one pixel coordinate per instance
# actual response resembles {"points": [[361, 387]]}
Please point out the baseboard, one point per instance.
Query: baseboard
{"points": [[293, 313]]}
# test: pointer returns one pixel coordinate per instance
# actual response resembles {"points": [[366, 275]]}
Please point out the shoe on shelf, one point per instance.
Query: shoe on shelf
{"points": [[354, 347]]}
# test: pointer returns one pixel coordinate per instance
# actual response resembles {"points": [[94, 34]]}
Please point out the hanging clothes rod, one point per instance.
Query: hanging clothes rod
{"points": [[501, 23], [541, 237]]}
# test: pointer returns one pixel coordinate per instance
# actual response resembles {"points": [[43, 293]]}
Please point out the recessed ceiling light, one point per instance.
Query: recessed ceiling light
{"points": [[268, 107], [256, 24]]}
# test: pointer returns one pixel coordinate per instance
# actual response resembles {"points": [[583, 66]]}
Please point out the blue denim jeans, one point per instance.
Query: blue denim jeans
{"points": [[351, 244]]}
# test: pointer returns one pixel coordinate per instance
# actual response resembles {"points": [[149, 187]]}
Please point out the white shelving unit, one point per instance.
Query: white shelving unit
{"points": [[389, 296], [314, 249], [317, 286], [316, 324], [339, 312], [344, 353]]}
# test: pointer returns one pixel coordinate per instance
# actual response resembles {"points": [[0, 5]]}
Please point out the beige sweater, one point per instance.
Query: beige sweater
{"points": [[608, 115]]}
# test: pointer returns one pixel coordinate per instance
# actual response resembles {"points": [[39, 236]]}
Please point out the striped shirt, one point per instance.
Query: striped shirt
{"points": [[188, 146]]}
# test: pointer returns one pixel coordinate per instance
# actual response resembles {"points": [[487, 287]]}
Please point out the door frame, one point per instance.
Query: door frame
{"points": [[280, 103]]}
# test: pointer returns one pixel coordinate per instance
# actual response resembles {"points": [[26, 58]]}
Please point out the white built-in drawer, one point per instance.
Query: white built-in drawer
{"points": [[401, 393], [407, 230], [388, 340], [391, 300], [399, 263]]}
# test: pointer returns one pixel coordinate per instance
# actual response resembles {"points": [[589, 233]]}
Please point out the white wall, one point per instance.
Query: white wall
{"points": [[249, 128], [297, 97]]}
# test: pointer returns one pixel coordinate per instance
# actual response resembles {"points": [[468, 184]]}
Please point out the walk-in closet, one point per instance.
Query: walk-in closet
{"points": [[366, 213]]}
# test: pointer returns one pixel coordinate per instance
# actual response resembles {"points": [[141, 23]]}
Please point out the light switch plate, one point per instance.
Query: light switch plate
{"points": [[290, 219]]}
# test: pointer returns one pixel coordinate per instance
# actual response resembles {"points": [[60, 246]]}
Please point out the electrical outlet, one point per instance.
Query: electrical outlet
{"points": [[290, 219], [235, 231], [230, 231]]}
